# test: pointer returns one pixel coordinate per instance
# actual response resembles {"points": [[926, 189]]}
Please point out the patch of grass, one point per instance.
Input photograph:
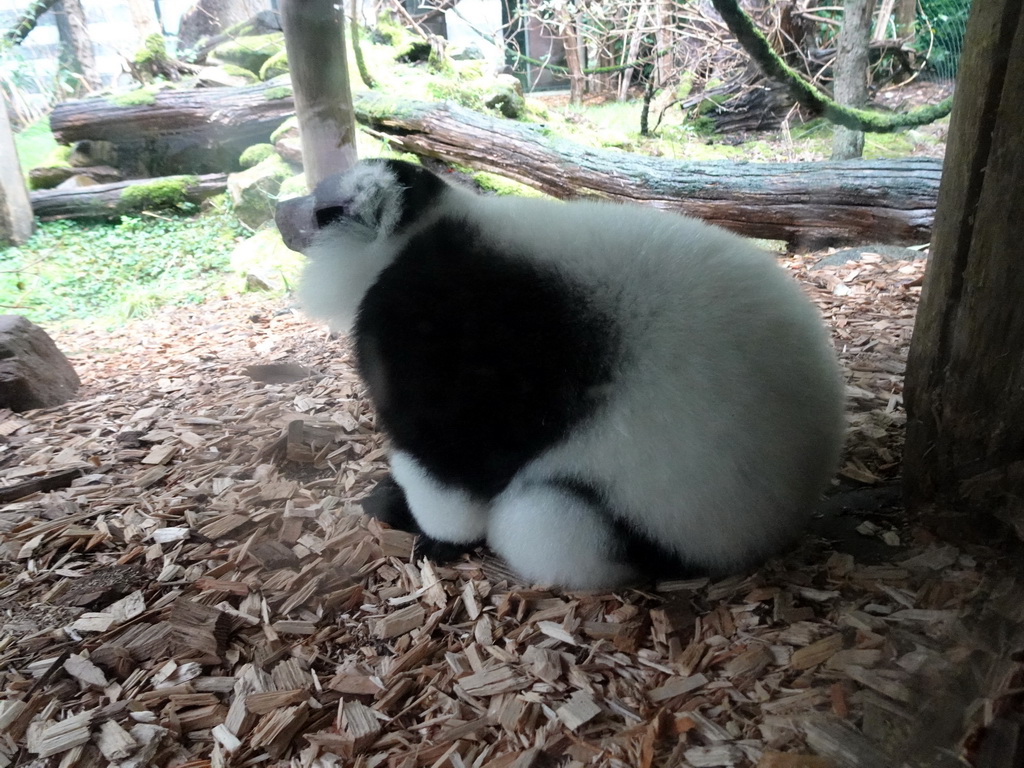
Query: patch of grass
{"points": [[35, 143], [101, 270]]}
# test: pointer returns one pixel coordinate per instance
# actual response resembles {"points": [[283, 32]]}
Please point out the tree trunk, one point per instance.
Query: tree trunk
{"points": [[573, 60], [636, 38], [665, 40], [851, 83], [203, 130], [16, 223], [806, 204], [965, 373], [77, 52], [144, 20], [906, 20], [107, 201], [315, 39]]}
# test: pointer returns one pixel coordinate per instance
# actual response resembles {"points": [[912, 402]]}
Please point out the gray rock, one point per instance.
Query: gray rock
{"points": [[888, 253], [33, 372]]}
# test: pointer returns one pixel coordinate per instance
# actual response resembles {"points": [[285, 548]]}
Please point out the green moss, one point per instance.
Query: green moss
{"points": [[140, 97], [250, 52], [164, 193], [293, 186], [279, 92], [274, 66], [291, 124], [255, 154], [236, 71], [499, 185]]}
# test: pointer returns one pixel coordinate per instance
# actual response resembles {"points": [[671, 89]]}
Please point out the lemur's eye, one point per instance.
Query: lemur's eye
{"points": [[330, 215]]}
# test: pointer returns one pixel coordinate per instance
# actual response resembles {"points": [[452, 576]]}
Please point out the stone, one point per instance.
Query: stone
{"points": [[33, 372], [254, 191]]}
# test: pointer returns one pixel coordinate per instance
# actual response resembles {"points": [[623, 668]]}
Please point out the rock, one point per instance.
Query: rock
{"points": [[92, 152], [50, 177], [506, 96], [469, 52], [889, 253], [265, 263], [77, 181], [254, 191], [223, 77], [33, 372], [249, 52]]}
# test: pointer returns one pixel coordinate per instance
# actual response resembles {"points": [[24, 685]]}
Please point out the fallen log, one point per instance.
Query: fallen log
{"points": [[195, 130], [807, 204], [105, 201]]}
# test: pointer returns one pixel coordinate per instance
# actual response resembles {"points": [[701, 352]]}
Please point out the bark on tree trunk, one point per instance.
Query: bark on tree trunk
{"points": [[571, 43], [664, 39], [76, 44], [965, 373], [806, 204], [906, 20], [851, 84], [315, 39], [144, 20]]}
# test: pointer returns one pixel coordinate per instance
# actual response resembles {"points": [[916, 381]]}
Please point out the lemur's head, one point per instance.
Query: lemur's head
{"points": [[373, 199]]}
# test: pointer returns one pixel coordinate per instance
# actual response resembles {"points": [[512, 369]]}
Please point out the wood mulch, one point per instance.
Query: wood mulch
{"points": [[202, 589]]}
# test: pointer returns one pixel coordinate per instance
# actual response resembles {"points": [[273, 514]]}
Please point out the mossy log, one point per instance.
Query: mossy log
{"points": [[807, 204], [164, 132], [107, 201]]}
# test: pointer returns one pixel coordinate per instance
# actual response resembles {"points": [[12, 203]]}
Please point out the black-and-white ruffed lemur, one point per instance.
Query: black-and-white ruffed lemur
{"points": [[599, 392]]}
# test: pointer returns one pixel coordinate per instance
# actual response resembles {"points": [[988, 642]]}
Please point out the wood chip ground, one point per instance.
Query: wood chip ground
{"points": [[187, 580]]}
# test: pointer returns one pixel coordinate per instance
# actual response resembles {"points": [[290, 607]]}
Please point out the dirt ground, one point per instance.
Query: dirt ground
{"points": [[206, 592]]}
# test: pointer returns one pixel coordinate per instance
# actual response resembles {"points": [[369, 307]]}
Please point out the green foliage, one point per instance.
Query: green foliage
{"points": [[153, 51], [36, 146], [76, 270], [947, 20]]}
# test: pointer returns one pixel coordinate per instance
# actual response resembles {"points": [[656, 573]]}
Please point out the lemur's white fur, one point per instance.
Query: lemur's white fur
{"points": [[443, 512], [332, 288], [725, 416]]}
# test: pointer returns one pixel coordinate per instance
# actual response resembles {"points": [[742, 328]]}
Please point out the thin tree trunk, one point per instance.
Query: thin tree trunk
{"points": [[27, 21], [906, 20], [571, 43], [664, 39], [315, 39], [76, 43], [851, 84], [144, 20], [634, 49], [357, 48]]}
